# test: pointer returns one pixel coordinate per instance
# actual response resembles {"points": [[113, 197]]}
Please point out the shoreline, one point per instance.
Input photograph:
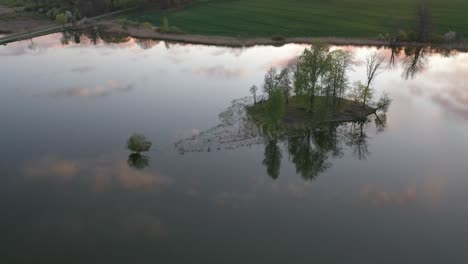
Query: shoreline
{"points": [[112, 27], [296, 115], [142, 32]]}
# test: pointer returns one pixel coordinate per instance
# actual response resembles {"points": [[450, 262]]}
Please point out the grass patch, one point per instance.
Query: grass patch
{"points": [[297, 112], [307, 18]]}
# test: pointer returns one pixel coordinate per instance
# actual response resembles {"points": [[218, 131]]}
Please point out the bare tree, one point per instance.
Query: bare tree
{"points": [[415, 61], [253, 91], [374, 67]]}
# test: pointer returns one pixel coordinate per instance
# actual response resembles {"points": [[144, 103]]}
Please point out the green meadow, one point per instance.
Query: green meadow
{"points": [[308, 18]]}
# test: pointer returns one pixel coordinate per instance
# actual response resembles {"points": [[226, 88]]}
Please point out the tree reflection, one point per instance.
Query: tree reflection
{"points": [[138, 161], [356, 139], [272, 159], [310, 148], [146, 43], [415, 61], [308, 158], [92, 35], [395, 51]]}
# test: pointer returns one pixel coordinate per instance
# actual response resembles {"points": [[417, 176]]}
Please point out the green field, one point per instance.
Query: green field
{"points": [[308, 18]]}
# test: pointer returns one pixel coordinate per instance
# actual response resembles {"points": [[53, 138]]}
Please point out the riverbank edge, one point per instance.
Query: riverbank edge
{"points": [[114, 27], [148, 33]]}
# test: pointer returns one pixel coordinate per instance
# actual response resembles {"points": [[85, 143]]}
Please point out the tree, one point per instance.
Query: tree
{"points": [[423, 22], [335, 79], [274, 109], [138, 143], [253, 91], [270, 81], [284, 83], [374, 65], [312, 65], [359, 94]]}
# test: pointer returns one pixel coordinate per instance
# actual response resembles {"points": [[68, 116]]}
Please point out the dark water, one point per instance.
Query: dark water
{"points": [[361, 195]]}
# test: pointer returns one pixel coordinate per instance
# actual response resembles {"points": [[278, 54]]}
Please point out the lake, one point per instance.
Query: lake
{"points": [[207, 192]]}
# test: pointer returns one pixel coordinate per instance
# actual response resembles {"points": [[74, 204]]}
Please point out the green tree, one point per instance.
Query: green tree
{"points": [[275, 108], [359, 93], [336, 80], [270, 81], [284, 83], [311, 67], [138, 143], [61, 19]]}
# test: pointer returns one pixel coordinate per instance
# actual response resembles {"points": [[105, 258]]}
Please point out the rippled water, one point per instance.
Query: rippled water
{"points": [[68, 194]]}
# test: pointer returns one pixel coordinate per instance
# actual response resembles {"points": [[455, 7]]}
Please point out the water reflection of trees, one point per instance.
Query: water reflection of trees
{"points": [[310, 148], [415, 58], [415, 61], [138, 161], [272, 157]]}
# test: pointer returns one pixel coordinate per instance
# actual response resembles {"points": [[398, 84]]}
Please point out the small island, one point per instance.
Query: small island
{"points": [[313, 89], [296, 113]]}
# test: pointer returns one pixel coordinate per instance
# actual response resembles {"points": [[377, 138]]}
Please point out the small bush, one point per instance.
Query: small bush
{"points": [[402, 36], [61, 19], [411, 36]]}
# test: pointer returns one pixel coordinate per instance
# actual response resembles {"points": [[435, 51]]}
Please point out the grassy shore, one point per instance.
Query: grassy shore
{"points": [[307, 18]]}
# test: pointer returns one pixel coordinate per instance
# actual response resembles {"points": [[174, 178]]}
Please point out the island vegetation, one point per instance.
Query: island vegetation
{"points": [[308, 109], [314, 88]]}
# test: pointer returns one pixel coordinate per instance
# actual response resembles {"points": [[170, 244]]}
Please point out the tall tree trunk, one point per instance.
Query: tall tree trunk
{"points": [[312, 102], [312, 99]]}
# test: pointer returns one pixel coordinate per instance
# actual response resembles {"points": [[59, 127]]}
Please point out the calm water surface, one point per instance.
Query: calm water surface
{"points": [[68, 194]]}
